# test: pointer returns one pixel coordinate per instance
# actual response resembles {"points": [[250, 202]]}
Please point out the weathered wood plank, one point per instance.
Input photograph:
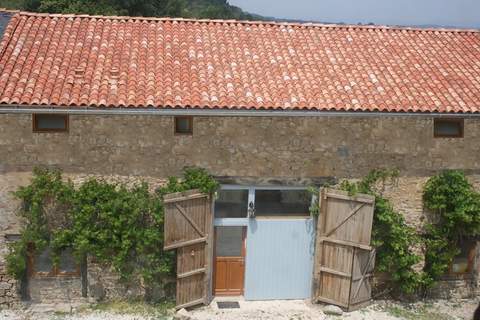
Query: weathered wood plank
{"points": [[189, 304], [345, 243], [335, 272], [209, 229], [194, 196], [331, 301], [187, 193], [191, 273], [185, 243], [338, 194]]}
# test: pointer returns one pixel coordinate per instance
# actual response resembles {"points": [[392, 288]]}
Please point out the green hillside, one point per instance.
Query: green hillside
{"points": [[213, 9]]}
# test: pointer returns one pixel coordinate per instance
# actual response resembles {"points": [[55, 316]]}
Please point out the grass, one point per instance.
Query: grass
{"points": [[421, 313], [134, 307]]}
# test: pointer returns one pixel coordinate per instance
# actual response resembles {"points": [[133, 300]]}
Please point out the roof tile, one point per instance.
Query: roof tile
{"points": [[72, 61]]}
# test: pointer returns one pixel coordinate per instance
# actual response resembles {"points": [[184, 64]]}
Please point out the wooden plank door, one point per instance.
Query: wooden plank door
{"points": [[189, 229], [344, 259], [229, 271]]}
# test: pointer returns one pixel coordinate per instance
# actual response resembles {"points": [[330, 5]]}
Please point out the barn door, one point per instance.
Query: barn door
{"points": [[344, 259], [189, 229]]}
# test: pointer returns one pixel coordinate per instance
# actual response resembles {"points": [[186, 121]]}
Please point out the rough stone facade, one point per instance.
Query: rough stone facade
{"points": [[293, 150], [239, 146], [8, 290], [53, 290]]}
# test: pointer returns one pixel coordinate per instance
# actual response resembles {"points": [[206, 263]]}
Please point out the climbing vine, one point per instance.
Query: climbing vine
{"points": [[455, 206], [111, 222], [391, 236]]}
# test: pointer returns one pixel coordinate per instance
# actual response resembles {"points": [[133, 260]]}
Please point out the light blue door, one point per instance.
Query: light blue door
{"points": [[279, 260]]}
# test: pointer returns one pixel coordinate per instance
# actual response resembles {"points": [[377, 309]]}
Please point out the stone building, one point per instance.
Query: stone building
{"points": [[268, 108]]}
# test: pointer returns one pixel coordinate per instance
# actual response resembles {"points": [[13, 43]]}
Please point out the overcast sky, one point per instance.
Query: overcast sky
{"points": [[456, 13]]}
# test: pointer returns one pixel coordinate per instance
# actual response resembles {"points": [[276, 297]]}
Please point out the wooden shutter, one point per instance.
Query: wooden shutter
{"points": [[189, 229]]}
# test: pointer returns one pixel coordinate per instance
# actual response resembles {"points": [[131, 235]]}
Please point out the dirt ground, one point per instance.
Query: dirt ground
{"points": [[302, 310], [261, 310]]}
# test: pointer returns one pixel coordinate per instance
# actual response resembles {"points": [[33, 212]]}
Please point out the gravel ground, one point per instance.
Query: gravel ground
{"points": [[96, 315], [265, 310]]}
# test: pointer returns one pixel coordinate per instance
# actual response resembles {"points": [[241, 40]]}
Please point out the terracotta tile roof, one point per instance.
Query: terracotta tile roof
{"points": [[67, 60]]}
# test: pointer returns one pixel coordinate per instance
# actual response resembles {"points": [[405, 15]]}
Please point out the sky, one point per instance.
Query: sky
{"points": [[448, 13]]}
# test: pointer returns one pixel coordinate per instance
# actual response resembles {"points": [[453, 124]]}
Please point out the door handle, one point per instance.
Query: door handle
{"points": [[251, 210]]}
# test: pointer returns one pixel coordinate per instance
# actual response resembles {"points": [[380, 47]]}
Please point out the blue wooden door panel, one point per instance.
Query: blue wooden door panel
{"points": [[279, 260]]}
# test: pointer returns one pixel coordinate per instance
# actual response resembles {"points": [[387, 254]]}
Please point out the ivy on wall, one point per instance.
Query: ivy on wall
{"points": [[113, 223], [455, 206]]}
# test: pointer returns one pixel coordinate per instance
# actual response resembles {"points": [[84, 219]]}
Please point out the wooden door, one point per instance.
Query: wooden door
{"points": [[344, 260], [229, 261], [189, 229]]}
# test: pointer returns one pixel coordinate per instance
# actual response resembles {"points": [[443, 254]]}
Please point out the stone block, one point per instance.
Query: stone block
{"points": [[5, 285], [332, 310], [182, 314]]}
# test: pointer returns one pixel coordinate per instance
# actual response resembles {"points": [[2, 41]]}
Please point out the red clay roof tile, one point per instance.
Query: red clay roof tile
{"points": [[71, 61]]}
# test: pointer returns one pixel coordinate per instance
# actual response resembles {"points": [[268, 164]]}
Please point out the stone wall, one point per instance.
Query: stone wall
{"points": [[53, 290], [9, 225], [104, 283], [254, 149], [239, 146], [8, 289]]}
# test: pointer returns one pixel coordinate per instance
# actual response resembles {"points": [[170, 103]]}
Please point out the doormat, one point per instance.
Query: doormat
{"points": [[228, 304]]}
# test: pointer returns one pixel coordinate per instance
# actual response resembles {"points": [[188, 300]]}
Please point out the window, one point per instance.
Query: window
{"points": [[282, 203], [41, 264], [12, 237], [261, 202], [50, 123], [184, 125], [229, 241], [448, 128], [463, 262], [231, 204]]}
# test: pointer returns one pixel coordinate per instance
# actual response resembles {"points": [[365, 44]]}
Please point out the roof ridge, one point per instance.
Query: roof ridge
{"points": [[250, 22]]}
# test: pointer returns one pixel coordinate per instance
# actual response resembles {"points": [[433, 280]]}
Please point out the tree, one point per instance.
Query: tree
{"points": [[210, 9]]}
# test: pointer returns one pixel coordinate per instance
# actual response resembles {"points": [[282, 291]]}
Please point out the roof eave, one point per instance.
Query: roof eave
{"points": [[24, 109]]}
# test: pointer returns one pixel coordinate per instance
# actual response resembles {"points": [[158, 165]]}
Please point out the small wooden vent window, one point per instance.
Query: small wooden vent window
{"points": [[41, 264], [184, 125], [50, 123], [448, 128]]}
